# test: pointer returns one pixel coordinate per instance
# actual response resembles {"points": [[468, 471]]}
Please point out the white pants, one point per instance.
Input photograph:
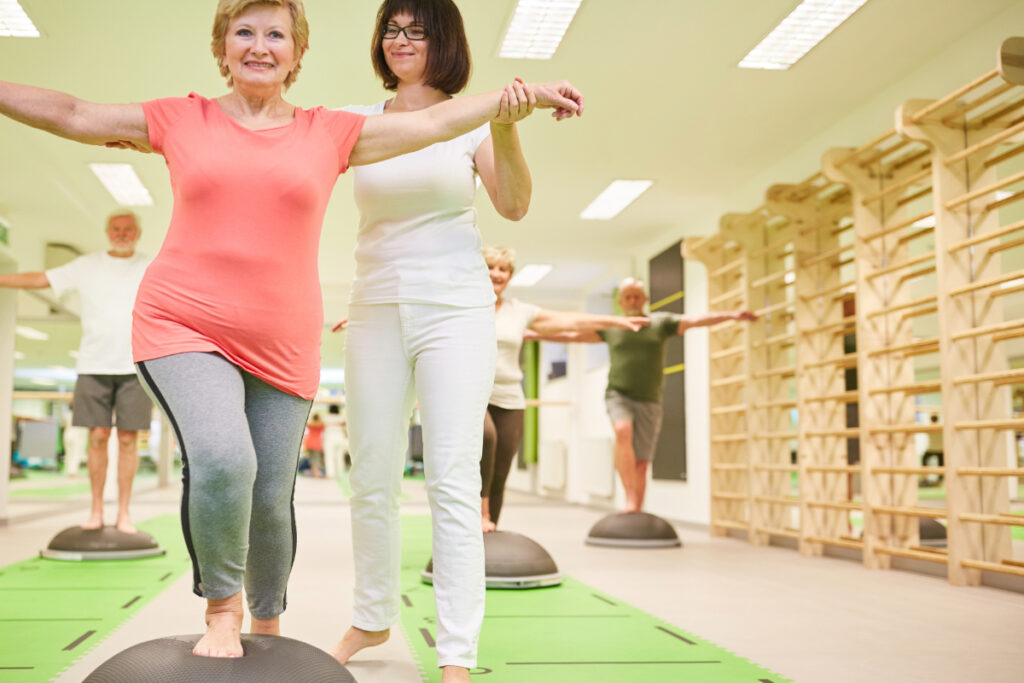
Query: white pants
{"points": [[444, 356]]}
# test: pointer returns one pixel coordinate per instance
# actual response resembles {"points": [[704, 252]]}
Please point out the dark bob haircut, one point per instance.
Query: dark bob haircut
{"points": [[448, 60]]}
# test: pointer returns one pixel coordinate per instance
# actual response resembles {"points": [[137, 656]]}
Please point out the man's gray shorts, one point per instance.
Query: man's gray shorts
{"points": [[99, 398], [646, 419]]}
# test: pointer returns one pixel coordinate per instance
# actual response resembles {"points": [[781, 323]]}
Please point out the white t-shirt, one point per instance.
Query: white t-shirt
{"points": [[106, 286], [511, 320], [418, 241]]}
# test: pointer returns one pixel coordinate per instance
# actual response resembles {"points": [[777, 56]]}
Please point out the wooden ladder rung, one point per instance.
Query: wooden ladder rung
{"points": [[899, 266], [847, 361], [909, 181], [728, 495], [775, 500], [1006, 520], [729, 467], [985, 236], [787, 371], [908, 470], [896, 228], [728, 296], [908, 511], [775, 531], [834, 469], [845, 397], [1007, 375], [914, 388], [729, 524], [781, 306], [729, 438], [991, 424], [774, 404], [725, 353], [726, 381], [931, 298], [912, 554], [1002, 568], [851, 433], [776, 468], [834, 505], [909, 428], [768, 279], [775, 436], [727, 268], [728, 410], [988, 189], [852, 544], [919, 346], [777, 339], [953, 96], [984, 144], [991, 282], [990, 471]]}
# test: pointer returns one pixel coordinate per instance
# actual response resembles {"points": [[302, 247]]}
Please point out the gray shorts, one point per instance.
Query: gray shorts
{"points": [[99, 398], [646, 419]]}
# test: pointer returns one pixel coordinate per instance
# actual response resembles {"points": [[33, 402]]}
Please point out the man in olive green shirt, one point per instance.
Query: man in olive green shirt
{"points": [[635, 379]]}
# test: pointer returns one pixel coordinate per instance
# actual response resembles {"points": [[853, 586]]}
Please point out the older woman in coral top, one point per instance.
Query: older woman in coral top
{"points": [[227, 320]]}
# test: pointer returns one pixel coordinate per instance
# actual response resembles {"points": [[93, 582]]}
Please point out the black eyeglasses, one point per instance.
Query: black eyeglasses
{"points": [[412, 32]]}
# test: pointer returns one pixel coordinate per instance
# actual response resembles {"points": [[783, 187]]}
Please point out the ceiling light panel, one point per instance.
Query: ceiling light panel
{"points": [[537, 28], [806, 26], [14, 23], [615, 198], [529, 275], [123, 184]]}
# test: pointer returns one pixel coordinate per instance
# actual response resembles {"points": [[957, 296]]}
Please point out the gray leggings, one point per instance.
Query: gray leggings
{"points": [[239, 440]]}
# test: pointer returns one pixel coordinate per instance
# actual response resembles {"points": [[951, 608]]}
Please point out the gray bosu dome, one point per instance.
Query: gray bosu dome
{"points": [[76, 543], [633, 530], [268, 659], [932, 532], [512, 561]]}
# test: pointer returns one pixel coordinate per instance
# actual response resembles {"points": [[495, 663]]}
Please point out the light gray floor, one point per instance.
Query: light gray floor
{"points": [[811, 620]]}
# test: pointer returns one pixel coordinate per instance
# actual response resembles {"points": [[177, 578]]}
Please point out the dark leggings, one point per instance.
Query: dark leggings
{"points": [[503, 430]]}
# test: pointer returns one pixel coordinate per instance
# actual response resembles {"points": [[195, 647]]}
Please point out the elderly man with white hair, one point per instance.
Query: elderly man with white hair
{"points": [[635, 379]]}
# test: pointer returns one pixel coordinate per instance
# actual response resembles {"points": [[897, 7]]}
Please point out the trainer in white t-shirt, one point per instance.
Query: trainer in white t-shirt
{"points": [[106, 286], [418, 241], [511, 320]]}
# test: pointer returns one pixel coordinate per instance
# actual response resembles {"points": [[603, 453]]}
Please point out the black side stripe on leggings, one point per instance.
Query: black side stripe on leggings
{"points": [[185, 526], [291, 504]]}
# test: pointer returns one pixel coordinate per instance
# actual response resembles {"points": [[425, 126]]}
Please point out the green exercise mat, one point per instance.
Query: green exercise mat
{"points": [[570, 633], [52, 612]]}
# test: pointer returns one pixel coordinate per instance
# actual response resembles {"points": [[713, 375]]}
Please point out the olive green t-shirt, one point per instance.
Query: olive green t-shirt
{"points": [[638, 358]]}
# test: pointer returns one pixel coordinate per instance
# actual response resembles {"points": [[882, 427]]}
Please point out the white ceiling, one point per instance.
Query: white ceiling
{"points": [[664, 101]]}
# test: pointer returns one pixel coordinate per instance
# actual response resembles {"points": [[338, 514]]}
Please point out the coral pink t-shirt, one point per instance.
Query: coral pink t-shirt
{"points": [[237, 273]]}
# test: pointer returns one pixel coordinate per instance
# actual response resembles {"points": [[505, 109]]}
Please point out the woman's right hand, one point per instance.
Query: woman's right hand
{"points": [[517, 102], [561, 96]]}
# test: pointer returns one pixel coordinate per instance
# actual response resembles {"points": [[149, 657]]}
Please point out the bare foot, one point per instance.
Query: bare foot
{"points": [[124, 525], [95, 521], [488, 525], [268, 627], [223, 629], [355, 639], [454, 674]]}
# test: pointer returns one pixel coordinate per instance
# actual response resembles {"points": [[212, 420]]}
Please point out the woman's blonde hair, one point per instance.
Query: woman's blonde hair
{"points": [[229, 9], [502, 255]]}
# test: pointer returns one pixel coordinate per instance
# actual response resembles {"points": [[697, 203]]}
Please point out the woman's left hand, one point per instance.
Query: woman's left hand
{"points": [[517, 102]]}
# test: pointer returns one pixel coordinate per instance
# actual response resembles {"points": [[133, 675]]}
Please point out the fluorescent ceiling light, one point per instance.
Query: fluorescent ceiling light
{"points": [[30, 333], [123, 184], [806, 26], [615, 198], [537, 28], [529, 275], [14, 22]]}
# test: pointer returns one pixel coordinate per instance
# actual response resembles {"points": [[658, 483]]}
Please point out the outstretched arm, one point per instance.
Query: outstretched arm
{"points": [[36, 280], [713, 318], [500, 161], [383, 137], [75, 119], [558, 322]]}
